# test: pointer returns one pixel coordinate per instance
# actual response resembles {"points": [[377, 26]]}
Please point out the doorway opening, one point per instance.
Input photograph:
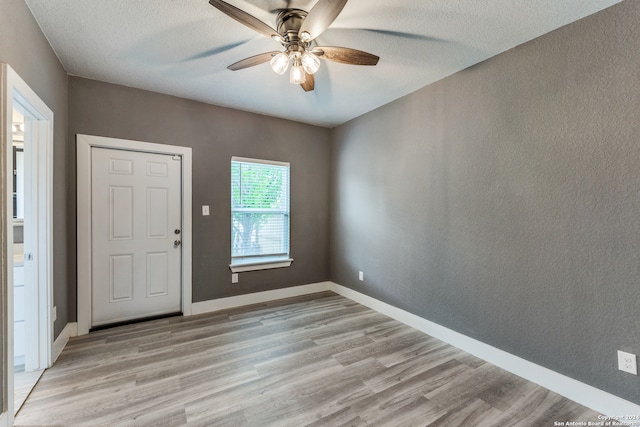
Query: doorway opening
{"points": [[27, 142], [25, 287], [152, 277]]}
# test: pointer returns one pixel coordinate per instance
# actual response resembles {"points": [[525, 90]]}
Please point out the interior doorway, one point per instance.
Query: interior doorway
{"points": [[27, 142], [182, 157], [26, 367], [136, 227]]}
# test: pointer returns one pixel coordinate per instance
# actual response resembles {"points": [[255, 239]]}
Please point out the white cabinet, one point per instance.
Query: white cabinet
{"points": [[18, 314]]}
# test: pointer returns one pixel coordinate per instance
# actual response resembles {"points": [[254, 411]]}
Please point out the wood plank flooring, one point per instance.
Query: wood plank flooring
{"points": [[317, 360], [23, 383]]}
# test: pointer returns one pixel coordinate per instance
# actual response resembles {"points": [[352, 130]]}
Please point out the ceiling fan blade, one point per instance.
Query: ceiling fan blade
{"points": [[215, 51], [402, 34], [320, 17], [245, 18], [252, 61], [309, 83], [346, 55]]}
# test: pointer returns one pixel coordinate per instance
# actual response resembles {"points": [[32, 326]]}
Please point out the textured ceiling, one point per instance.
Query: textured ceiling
{"points": [[182, 48]]}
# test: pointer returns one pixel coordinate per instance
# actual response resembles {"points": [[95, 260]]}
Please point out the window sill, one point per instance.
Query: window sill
{"points": [[263, 264]]}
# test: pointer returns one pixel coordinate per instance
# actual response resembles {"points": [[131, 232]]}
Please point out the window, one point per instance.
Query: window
{"points": [[259, 214]]}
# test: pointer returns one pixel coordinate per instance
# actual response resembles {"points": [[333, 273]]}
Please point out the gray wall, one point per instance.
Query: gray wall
{"points": [[503, 202], [24, 47], [215, 135]]}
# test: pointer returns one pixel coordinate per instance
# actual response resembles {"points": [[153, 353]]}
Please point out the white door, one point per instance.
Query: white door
{"points": [[136, 235]]}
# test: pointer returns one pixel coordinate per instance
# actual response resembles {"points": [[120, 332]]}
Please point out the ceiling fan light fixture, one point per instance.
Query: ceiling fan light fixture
{"points": [[297, 75], [297, 31], [310, 62], [280, 62]]}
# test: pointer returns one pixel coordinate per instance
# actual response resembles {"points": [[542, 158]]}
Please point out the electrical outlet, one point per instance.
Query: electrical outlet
{"points": [[234, 277], [360, 276], [54, 313], [627, 362]]}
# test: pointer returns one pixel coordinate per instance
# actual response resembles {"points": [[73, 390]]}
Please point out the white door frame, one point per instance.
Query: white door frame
{"points": [[84, 145], [17, 94]]}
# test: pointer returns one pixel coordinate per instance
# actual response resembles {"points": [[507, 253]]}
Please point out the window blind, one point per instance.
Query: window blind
{"points": [[259, 210]]}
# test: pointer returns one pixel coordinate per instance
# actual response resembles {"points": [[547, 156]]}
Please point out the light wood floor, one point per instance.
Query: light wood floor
{"points": [[314, 360]]}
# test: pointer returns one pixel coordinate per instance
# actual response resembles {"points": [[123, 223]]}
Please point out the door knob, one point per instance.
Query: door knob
{"points": [[176, 243]]}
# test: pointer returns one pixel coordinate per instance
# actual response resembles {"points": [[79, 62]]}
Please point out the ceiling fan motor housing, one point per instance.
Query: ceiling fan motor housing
{"points": [[288, 23]]}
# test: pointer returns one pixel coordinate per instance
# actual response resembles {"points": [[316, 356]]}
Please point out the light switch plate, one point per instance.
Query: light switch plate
{"points": [[234, 277], [205, 210]]}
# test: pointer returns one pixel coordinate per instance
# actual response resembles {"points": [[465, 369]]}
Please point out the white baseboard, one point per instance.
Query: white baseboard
{"points": [[70, 330], [577, 391], [258, 297]]}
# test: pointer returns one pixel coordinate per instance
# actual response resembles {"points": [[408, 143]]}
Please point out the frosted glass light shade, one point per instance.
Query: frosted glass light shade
{"points": [[297, 75], [310, 62], [280, 63]]}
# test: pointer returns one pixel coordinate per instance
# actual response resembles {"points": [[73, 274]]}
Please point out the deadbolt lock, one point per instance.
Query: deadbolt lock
{"points": [[177, 231]]}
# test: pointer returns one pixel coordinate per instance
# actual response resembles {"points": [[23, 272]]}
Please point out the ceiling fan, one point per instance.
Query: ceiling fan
{"points": [[297, 31]]}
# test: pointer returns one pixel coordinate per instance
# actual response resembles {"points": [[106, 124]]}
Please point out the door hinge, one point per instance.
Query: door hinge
{"points": [[28, 257]]}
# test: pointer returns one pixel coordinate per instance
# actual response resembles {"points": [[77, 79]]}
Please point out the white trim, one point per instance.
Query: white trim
{"points": [[259, 161], [70, 330], [258, 297], [577, 391], [4, 420], [84, 145], [259, 265], [570, 388]]}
